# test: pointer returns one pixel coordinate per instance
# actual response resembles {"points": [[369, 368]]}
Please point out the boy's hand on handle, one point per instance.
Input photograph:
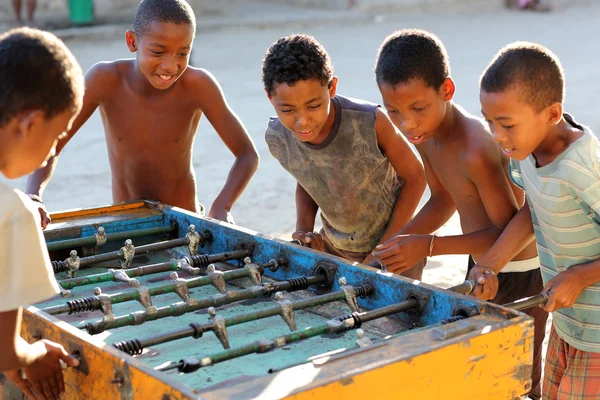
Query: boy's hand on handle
{"points": [[402, 252], [487, 282], [310, 239], [44, 216], [562, 290], [221, 213], [45, 375]]}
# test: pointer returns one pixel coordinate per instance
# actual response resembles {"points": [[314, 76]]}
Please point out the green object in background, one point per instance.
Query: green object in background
{"points": [[81, 12]]}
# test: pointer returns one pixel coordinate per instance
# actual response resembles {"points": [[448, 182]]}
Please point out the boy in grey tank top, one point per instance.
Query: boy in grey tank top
{"points": [[346, 156]]}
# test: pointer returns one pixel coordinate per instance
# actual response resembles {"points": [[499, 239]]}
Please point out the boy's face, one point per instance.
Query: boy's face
{"points": [[162, 53], [32, 140], [416, 108], [515, 125], [304, 108]]}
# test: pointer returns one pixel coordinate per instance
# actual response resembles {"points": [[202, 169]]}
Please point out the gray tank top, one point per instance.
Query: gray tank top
{"points": [[352, 182]]}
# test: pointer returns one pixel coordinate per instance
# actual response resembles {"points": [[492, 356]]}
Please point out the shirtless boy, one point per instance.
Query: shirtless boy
{"points": [[151, 107], [465, 169]]}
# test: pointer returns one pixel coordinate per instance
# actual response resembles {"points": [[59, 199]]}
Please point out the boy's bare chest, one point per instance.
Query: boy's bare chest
{"points": [[129, 119], [446, 164]]}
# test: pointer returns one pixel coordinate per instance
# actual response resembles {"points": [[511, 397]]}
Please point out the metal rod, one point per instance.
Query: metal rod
{"points": [[464, 288], [109, 276], [136, 346], [337, 325], [528, 302], [196, 261], [91, 240], [132, 295], [181, 308], [60, 266]]}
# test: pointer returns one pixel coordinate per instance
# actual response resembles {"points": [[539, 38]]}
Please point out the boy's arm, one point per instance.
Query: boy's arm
{"points": [[234, 135], [408, 168], [99, 81], [400, 252], [39, 361], [485, 169], [516, 236], [306, 212]]}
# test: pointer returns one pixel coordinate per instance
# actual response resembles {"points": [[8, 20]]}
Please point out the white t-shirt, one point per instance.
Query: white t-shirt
{"points": [[26, 275]]}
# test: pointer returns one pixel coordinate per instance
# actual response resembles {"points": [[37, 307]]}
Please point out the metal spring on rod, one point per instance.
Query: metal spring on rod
{"points": [[59, 266], [82, 305], [132, 347], [199, 261], [357, 321], [298, 283], [364, 290], [452, 319]]}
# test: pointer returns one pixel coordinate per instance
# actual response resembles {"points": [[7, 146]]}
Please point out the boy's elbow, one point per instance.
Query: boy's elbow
{"points": [[417, 181], [251, 159]]}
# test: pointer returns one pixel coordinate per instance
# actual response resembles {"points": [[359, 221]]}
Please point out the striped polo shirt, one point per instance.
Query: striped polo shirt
{"points": [[564, 198]]}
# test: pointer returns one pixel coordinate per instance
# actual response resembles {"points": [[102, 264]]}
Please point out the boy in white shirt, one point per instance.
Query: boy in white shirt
{"points": [[42, 89]]}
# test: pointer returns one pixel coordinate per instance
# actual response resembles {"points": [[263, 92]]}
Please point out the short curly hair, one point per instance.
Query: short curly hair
{"points": [[174, 11], [410, 54], [296, 58], [530, 68], [37, 72]]}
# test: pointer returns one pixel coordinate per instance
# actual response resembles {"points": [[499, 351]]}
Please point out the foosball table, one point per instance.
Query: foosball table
{"points": [[160, 303]]}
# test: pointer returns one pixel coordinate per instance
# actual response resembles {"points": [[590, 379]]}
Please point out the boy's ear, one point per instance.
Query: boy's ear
{"points": [[131, 40], [555, 113], [448, 89], [333, 87], [29, 120]]}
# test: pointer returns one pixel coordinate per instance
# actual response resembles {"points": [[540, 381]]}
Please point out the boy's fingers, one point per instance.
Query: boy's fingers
{"points": [[60, 383], [390, 242], [70, 361], [551, 303], [387, 254], [40, 392], [53, 384]]}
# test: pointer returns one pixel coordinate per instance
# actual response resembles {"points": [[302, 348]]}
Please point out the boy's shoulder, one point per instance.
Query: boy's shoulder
{"points": [[352, 104], [13, 203], [478, 150]]}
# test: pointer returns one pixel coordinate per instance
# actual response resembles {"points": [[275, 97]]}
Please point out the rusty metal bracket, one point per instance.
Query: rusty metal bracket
{"points": [[420, 298], [329, 269]]}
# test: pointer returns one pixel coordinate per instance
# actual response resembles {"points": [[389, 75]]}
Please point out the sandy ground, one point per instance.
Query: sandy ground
{"points": [[83, 178]]}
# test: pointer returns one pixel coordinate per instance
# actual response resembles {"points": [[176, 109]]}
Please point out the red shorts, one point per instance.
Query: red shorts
{"points": [[570, 374]]}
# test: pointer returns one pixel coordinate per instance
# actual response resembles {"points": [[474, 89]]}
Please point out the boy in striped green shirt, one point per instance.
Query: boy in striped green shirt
{"points": [[557, 162]]}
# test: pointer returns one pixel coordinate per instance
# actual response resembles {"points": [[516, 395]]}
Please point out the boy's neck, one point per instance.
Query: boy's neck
{"points": [[141, 85], [558, 139], [445, 130]]}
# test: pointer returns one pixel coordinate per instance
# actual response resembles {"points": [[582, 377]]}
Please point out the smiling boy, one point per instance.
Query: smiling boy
{"points": [[151, 107], [346, 156]]}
